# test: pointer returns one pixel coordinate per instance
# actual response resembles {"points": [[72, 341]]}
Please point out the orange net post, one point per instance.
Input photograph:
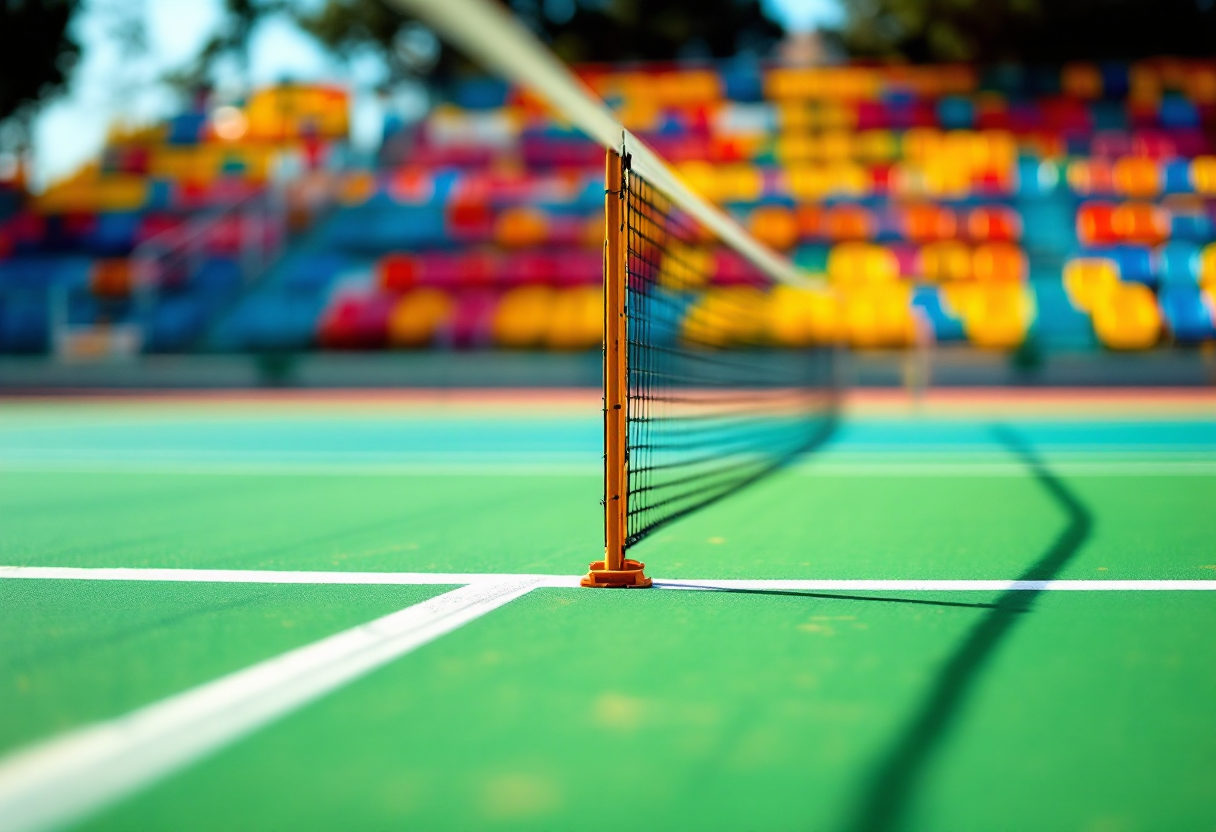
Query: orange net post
{"points": [[615, 570]]}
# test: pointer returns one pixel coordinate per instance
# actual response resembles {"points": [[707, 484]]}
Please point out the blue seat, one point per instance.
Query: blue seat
{"points": [[186, 128], [1178, 113], [947, 327], [480, 93], [1186, 314], [24, 323], [1192, 227], [1178, 263], [217, 276], [1176, 176], [114, 232], [954, 112], [1115, 83], [312, 271], [277, 321], [177, 320], [1135, 262], [742, 81]]}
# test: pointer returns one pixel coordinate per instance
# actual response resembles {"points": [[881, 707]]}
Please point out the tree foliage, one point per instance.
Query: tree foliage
{"points": [[230, 41], [578, 30], [653, 30], [36, 51], [1028, 30]]}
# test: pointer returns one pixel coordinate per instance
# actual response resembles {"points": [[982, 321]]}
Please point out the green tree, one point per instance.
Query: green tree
{"points": [[36, 52], [578, 30], [1028, 30]]}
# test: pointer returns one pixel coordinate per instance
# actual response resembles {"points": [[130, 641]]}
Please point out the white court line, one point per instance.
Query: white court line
{"points": [[939, 586], [259, 576], [246, 576], [64, 779]]}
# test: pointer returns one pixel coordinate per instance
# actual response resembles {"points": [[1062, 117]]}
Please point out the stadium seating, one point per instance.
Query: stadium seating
{"points": [[164, 231], [1073, 206]]}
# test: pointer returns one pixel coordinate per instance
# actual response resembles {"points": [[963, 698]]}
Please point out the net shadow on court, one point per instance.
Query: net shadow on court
{"points": [[895, 779]]}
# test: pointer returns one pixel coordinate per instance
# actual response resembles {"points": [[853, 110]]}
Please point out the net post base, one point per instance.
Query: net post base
{"points": [[631, 576]]}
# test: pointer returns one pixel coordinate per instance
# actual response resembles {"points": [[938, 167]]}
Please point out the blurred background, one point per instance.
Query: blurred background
{"points": [[293, 192]]}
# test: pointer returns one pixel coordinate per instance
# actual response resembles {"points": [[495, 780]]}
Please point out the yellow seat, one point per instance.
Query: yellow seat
{"points": [[856, 264], [522, 317], [1127, 318], [415, 317], [1088, 278], [1207, 265], [576, 321], [996, 315], [878, 316], [803, 317]]}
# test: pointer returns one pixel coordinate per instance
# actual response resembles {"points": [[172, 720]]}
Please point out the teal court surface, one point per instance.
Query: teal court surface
{"points": [[986, 612]]}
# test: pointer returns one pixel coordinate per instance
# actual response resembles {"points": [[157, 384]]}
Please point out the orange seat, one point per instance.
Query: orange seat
{"points": [[928, 222], [998, 263], [994, 223], [112, 278], [1140, 222], [946, 261], [1095, 224], [775, 225], [416, 317], [1137, 177], [521, 227], [848, 222], [810, 221], [1090, 177]]}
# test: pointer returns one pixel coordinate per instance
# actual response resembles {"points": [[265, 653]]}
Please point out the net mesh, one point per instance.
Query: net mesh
{"points": [[712, 405]]}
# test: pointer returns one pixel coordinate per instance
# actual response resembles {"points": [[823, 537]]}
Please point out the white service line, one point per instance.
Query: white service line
{"points": [[59, 781], [938, 586], [257, 576], [261, 576]]}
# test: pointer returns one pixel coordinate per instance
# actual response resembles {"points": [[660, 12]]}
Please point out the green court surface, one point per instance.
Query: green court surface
{"points": [[774, 707]]}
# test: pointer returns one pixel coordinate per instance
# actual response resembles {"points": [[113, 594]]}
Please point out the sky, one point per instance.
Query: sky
{"points": [[110, 85]]}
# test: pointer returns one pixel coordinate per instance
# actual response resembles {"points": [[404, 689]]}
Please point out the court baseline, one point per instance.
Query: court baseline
{"points": [[558, 581]]}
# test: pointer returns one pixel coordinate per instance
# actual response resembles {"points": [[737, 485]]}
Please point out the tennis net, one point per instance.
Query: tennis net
{"points": [[699, 401]]}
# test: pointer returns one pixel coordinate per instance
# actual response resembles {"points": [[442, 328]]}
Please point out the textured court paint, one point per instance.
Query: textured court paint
{"points": [[477, 524], [74, 775], [742, 712], [73, 652], [754, 713], [1103, 711], [791, 526], [941, 527]]}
